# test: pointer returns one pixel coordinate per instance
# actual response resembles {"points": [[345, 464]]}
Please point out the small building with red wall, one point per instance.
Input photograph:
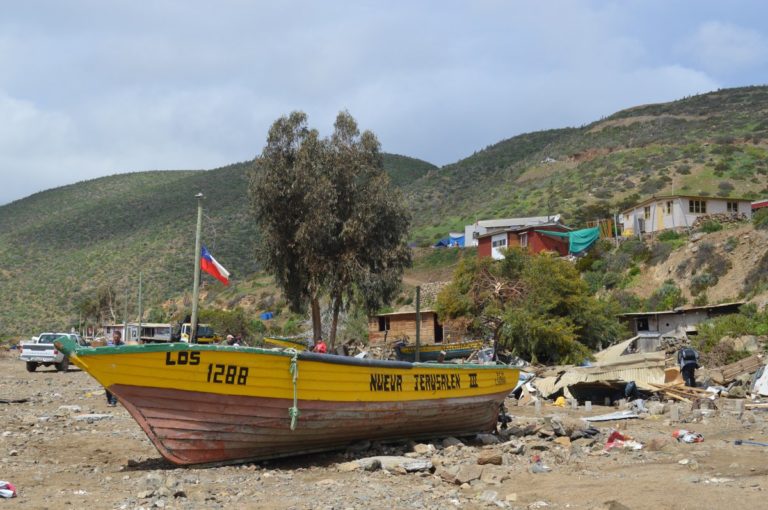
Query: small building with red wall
{"points": [[491, 244], [759, 204]]}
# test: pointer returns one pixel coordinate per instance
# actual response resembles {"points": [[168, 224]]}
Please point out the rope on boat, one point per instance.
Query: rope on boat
{"points": [[293, 368]]}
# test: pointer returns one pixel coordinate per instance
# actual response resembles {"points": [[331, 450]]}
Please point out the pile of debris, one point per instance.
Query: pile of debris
{"points": [[721, 218], [645, 367]]}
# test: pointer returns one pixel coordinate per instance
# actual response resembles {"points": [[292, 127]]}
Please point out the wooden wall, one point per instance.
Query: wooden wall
{"points": [[402, 325]]}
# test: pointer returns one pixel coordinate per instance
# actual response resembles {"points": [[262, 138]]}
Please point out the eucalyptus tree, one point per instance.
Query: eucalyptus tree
{"points": [[330, 220]]}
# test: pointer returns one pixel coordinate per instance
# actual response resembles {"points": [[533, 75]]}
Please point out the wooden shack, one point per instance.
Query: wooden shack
{"points": [[390, 327]]}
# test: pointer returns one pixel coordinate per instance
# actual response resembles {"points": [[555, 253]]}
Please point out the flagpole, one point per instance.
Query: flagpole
{"points": [[196, 286]]}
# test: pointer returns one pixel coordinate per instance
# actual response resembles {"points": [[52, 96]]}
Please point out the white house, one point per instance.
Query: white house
{"points": [[674, 211], [472, 232]]}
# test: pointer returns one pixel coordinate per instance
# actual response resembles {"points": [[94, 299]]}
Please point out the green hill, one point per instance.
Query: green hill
{"points": [[64, 244]]}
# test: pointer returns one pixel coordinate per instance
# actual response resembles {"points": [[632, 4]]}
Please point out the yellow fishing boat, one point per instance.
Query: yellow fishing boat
{"points": [[211, 404], [430, 352]]}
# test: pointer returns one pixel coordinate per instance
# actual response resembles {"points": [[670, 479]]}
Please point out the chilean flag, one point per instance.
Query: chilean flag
{"points": [[212, 267]]}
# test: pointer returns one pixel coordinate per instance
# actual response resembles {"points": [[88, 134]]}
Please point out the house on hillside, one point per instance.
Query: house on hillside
{"points": [[668, 321], [677, 211], [492, 243], [473, 232]]}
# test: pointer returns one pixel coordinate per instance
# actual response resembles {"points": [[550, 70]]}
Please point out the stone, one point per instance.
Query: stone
{"points": [[90, 418], [452, 441], [513, 447], [468, 472], [424, 449], [153, 481], [493, 475], [698, 236], [487, 439], [490, 457], [447, 474], [488, 496], [564, 441], [511, 497]]}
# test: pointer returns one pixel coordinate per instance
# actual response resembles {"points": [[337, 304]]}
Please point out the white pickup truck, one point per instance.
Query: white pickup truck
{"points": [[41, 351]]}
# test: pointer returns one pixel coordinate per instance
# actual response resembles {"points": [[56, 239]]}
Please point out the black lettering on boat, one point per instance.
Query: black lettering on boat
{"points": [[386, 382], [473, 380], [182, 358]]}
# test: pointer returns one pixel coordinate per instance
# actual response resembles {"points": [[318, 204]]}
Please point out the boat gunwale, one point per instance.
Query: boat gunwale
{"points": [[79, 351]]}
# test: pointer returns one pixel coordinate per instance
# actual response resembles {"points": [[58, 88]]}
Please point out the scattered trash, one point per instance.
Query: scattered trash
{"points": [[744, 441], [7, 490], [13, 400], [538, 465], [620, 415], [560, 401], [619, 440], [687, 436]]}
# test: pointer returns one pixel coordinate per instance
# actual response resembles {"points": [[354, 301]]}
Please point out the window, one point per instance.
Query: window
{"points": [[697, 206], [669, 207], [647, 212], [524, 239], [383, 323], [732, 206], [499, 243]]}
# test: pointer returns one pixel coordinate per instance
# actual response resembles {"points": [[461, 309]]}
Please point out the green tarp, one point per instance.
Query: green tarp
{"points": [[578, 240]]}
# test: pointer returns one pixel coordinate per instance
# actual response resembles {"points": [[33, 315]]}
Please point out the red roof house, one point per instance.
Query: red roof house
{"points": [[490, 244]]}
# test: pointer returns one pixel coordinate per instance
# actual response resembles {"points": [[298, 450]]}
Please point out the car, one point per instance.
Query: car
{"points": [[41, 351]]}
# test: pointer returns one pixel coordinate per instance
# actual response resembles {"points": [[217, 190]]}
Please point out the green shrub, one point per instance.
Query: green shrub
{"points": [[660, 252], [636, 249], [667, 297], [760, 219], [730, 244], [710, 226], [668, 235], [701, 281]]}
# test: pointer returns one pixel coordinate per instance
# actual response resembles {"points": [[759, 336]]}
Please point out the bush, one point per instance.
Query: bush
{"points": [[667, 297], [660, 252], [669, 235], [760, 219], [710, 226], [701, 281], [636, 249]]}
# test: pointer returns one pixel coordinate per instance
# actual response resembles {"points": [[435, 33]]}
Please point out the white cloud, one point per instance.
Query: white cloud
{"points": [[99, 88], [722, 47]]}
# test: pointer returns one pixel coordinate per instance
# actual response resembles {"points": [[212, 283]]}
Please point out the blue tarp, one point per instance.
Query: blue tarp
{"points": [[451, 240], [266, 316]]}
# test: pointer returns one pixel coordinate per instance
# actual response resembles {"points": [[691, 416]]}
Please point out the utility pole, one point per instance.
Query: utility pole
{"points": [[141, 312], [196, 285], [418, 324]]}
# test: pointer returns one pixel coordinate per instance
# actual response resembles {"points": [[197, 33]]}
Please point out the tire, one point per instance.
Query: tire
{"points": [[31, 366], [63, 366]]}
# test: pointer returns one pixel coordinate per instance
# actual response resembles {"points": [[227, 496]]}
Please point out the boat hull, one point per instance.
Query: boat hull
{"points": [[202, 428]]}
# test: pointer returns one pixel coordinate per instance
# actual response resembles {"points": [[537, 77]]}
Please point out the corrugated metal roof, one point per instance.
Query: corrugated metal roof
{"points": [[643, 368], [684, 309], [519, 222]]}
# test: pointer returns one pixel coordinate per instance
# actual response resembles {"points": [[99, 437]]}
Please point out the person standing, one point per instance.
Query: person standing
{"points": [[688, 359], [115, 342]]}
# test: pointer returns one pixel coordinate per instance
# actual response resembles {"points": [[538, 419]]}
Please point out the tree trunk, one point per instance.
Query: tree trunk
{"points": [[334, 321], [317, 326]]}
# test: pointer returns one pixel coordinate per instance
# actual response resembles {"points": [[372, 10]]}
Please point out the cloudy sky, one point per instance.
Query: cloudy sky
{"points": [[97, 87]]}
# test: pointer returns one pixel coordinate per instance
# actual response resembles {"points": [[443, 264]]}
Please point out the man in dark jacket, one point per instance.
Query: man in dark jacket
{"points": [[688, 359]]}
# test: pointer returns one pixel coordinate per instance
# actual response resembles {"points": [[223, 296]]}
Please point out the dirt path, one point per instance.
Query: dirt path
{"points": [[58, 458]]}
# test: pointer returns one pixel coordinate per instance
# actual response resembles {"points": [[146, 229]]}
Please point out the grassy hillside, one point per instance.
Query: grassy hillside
{"points": [[712, 144], [62, 245]]}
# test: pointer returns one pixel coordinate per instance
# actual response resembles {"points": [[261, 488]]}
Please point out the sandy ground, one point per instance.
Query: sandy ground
{"points": [[59, 459]]}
